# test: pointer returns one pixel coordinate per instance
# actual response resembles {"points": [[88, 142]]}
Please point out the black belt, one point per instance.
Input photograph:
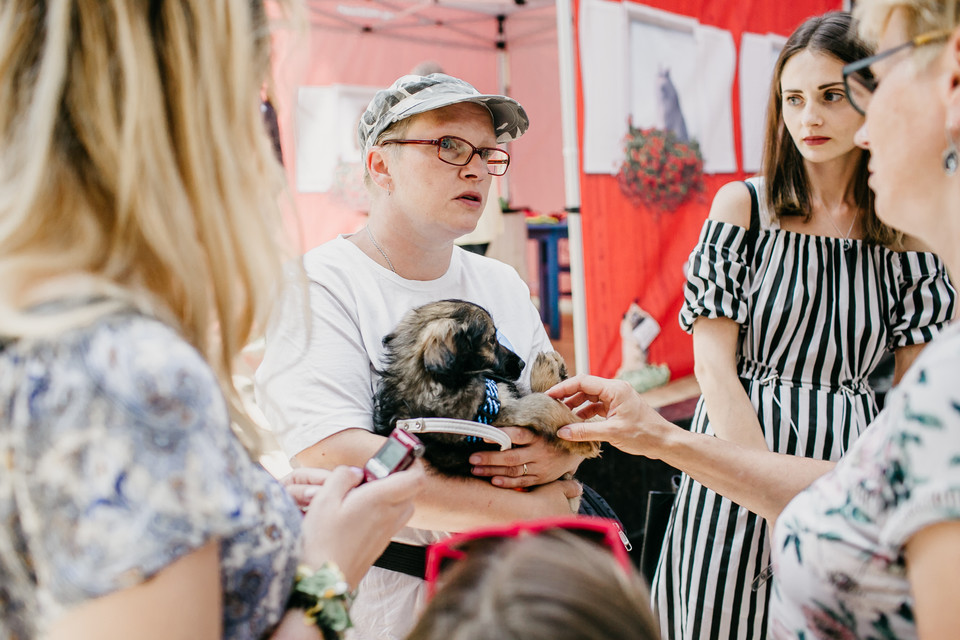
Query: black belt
{"points": [[404, 558]]}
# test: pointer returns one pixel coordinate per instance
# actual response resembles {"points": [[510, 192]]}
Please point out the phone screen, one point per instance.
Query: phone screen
{"points": [[392, 453]]}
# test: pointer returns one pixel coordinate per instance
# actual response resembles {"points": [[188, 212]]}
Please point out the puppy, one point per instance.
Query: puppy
{"points": [[439, 362]]}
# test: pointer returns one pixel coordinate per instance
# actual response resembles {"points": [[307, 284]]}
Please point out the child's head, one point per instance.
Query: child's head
{"points": [[553, 585]]}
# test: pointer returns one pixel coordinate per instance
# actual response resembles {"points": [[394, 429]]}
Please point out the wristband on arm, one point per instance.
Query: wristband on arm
{"points": [[324, 595]]}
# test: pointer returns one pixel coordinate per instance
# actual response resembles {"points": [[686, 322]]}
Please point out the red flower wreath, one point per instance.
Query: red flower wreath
{"points": [[659, 170]]}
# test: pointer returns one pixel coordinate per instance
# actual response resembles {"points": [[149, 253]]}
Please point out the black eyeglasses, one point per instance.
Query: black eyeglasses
{"points": [[859, 81], [459, 153]]}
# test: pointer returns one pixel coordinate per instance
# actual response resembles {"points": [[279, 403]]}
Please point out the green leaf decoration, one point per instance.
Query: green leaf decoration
{"points": [[925, 419], [882, 626], [793, 539], [325, 596]]}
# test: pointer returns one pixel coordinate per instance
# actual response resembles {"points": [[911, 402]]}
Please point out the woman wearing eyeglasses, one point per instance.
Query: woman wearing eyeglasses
{"points": [[430, 146], [867, 546], [795, 291]]}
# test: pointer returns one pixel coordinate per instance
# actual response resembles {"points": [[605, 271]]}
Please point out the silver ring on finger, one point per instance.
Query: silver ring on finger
{"points": [[524, 469]]}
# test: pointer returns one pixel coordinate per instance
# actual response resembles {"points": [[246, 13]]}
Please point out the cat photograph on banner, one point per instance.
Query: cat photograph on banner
{"points": [[680, 76], [664, 62]]}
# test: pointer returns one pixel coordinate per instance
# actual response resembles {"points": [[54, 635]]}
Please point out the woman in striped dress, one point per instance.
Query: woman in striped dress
{"points": [[795, 291]]}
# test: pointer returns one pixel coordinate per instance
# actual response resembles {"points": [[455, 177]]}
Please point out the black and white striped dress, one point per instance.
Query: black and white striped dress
{"points": [[818, 314]]}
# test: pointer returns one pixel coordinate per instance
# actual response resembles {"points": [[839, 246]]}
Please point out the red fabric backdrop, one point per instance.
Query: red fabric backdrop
{"points": [[634, 254]]}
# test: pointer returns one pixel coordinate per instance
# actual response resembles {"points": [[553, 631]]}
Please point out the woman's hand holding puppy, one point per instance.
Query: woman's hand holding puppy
{"points": [[532, 461]]}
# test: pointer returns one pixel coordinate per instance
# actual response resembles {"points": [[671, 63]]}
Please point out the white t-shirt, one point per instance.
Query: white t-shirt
{"points": [[318, 374]]}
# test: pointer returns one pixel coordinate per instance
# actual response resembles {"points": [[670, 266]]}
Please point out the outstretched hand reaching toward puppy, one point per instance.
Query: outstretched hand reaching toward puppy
{"points": [[628, 423], [620, 417]]}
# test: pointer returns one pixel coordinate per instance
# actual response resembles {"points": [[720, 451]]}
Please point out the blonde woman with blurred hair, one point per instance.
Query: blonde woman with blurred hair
{"points": [[137, 228]]}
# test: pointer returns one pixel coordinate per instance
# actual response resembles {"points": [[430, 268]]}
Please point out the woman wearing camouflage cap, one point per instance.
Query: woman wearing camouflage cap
{"points": [[430, 148]]}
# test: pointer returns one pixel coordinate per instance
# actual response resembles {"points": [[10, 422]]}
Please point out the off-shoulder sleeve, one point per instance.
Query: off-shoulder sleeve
{"points": [[134, 464], [717, 276], [927, 299], [923, 486]]}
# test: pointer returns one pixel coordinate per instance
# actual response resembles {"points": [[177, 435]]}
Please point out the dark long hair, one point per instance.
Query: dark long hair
{"points": [[785, 176]]}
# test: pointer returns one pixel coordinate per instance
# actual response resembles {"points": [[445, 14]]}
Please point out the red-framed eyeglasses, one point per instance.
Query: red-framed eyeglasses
{"points": [[602, 531], [459, 153]]}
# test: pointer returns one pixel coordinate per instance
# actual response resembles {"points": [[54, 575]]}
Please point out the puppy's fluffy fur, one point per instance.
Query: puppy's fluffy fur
{"points": [[436, 362]]}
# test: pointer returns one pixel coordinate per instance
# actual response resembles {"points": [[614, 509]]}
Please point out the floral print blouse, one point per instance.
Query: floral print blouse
{"points": [[118, 459], [839, 569]]}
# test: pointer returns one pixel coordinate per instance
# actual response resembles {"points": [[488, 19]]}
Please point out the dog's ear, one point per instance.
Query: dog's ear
{"points": [[477, 343], [440, 346]]}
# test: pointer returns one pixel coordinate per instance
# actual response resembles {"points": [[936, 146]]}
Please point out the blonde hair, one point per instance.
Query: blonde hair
{"points": [[550, 586], [922, 16], [136, 169]]}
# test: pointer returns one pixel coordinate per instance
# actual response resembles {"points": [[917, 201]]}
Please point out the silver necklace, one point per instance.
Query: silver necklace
{"points": [[846, 236], [380, 249]]}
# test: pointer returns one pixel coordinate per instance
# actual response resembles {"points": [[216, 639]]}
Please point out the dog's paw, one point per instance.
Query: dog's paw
{"points": [[585, 449], [548, 369], [573, 502]]}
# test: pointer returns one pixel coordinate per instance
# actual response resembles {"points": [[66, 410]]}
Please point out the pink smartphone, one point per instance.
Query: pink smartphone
{"points": [[396, 454]]}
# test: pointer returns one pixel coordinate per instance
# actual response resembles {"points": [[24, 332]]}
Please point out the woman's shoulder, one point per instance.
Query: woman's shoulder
{"points": [[92, 383], [131, 340], [332, 253], [141, 364], [487, 265], [732, 204], [942, 356], [904, 243], [338, 265]]}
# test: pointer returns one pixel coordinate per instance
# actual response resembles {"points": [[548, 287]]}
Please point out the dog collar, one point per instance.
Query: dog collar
{"points": [[490, 408], [458, 427]]}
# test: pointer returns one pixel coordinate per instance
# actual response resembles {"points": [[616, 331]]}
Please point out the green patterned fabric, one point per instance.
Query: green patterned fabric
{"points": [[839, 569]]}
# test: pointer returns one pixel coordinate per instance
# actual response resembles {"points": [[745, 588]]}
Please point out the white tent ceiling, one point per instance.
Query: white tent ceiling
{"points": [[466, 23]]}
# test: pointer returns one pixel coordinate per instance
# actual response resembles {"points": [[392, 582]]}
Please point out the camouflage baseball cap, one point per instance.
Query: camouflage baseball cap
{"points": [[411, 95]]}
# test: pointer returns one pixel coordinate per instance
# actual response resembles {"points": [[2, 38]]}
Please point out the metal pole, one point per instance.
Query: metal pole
{"points": [[503, 80], [571, 180]]}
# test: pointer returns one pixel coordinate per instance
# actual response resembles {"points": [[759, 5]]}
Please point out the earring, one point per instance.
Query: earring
{"points": [[951, 158]]}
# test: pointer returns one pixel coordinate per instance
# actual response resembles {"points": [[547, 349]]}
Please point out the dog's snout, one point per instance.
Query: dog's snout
{"points": [[510, 365]]}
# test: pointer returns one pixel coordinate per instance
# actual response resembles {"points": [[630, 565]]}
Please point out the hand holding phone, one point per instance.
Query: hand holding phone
{"points": [[397, 453]]}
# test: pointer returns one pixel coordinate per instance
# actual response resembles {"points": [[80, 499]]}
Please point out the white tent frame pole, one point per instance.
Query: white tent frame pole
{"points": [[503, 80], [571, 180]]}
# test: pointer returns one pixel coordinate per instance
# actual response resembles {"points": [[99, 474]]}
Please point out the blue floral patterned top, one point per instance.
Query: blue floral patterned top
{"points": [[118, 459], [838, 547]]}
